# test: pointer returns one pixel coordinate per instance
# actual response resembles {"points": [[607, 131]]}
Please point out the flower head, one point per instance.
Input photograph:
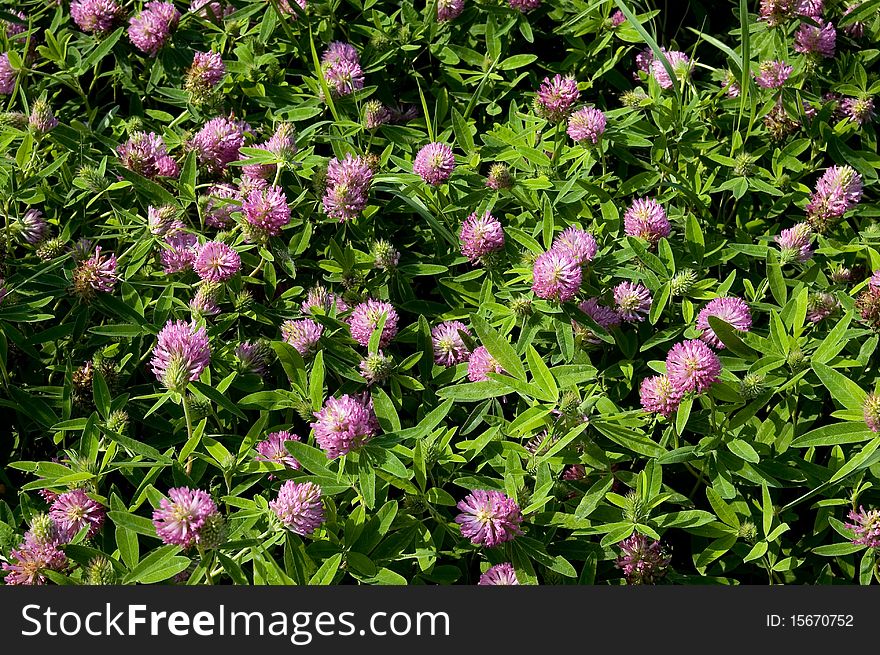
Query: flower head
{"points": [[524, 5], [866, 526], [29, 562], [838, 190], [151, 29], [320, 298], [692, 366], [605, 318], [556, 275], [267, 210], [659, 395], [253, 357], [42, 120], [858, 110], [489, 518], [500, 574], [348, 184], [642, 560], [871, 412], [772, 74], [680, 64], [32, 227], [206, 72], [344, 424], [216, 262], [499, 177], [303, 335], [820, 306], [145, 153], [434, 163], [218, 142], [579, 244], [376, 114], [811, 39], [299, 507], [339, 51], [98, 273], [647, 220], [219, 214], [730, 310], [74, 510], [179, 521], [272, 449], [365, 318], [449, 348], [586, 125], [182, 352], [633, 301], [344, 77], [376, 367], [556, 97], [480, 235], [96, 16], [481, 363], [8, 75], [449, 9], [795, 243]]}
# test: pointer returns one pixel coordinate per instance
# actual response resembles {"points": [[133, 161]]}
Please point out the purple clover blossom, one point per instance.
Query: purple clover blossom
{"points": [[348, 185], [524, 6], [871, 412], [74, 510], [151, 29], [730, 85], [556, 275], [434, 163], [179, 521], [210, 9], [795, 243], [303, 335], [692, 366], [480, 235], [42, 120], [866, 526], [810, 39], [858, 110], [253, 357], [617, 18], [204, 303], [449, 9], [145, 153], [162, 220], [632, 301], [730, 310], [489, 518], [96, 16], [837, 191], [820, 306], [179, 253], [659, 395], [365, 318], [219, 214], [28, 563], [646, 219], [809, 8], [299, 507], [644, 59], [344, 424], [580, 244], [556, 97], [206, 72], [218, 142], [182, 352], [272, 449], [32, 227], [449, 348], [481, 363], [340, 51], [679, 63], [344, 77], [216, 262], [775, 12], [14, 28], [605, 317], [320, 298], [772, 74], [586, 125], [499, 575], [642, 560], [267, 209], [7, 75], [98, 273]]}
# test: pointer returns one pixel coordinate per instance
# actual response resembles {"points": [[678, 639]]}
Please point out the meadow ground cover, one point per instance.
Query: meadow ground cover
{"points": [[465, 292]]}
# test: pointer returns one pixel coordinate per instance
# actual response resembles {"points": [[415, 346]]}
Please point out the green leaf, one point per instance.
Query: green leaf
{"points": [[859, 461], [774, 276], [161, 564], [221, 399], [324, 576], [498, 347], [311, 459], [462, 133], [842, 389], [729, 337], [834, 435], [722, 509], [316, 381], [743, 450], [133, 522], [541, 374]]}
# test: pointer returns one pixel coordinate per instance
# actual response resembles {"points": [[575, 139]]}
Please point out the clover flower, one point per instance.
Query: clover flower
{"points": [[303, 335], [216, 262], [772, 74], [795, 243], [659, 395], [74, 510], [632, 301], [680, 64], [151, 29], [344, 424], [480, 235], [179, 253], [498, 575], [820, 40], [348, 185], [179, 521], [605, 317], [449, 9], [182, 352], [871, 412], [556, 97], [866, 526], [98, 273], [365, 318], [556, 275], [586, 125], [645, 218], [145, 153], [32, 227], [730, 310], [837, 191], [449, 348], [481, 363], [267, 210], [858, 110], [218, 142], [272, 449], [7, 75], [299, 507], [489, 518], [579, 244], [642, 560], [692, 366], [434, 163]]}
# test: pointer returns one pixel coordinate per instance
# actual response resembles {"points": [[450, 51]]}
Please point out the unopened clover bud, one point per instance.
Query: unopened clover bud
{"points": [[100, 572]]}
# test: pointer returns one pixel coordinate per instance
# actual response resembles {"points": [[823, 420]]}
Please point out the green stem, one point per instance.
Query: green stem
{"points": [[189, 432]]}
